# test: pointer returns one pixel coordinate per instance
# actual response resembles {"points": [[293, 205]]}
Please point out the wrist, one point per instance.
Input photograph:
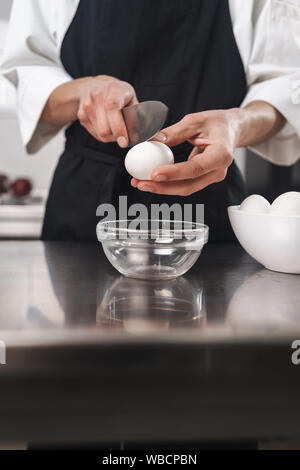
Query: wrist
{"points": [[255, 123], [83, 85], [237, 123], [79, 87]]}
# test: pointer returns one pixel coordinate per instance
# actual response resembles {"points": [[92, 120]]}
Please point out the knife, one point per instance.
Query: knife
{"points": [[144, 120]]}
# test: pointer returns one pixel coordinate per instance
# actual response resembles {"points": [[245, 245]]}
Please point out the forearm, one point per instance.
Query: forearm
{"points": [[255, 123], [62, 105]]}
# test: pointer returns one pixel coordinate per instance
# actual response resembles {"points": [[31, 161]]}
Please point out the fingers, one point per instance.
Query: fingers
{"points": [[183, 130], [85, 117], [118, 127], [102, 125], [200, 142], [199, 163], [182, 187], [101, 110], [91, 129], [116, 99]]}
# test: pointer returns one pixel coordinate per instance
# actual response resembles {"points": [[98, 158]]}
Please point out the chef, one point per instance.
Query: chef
{"points": [[229, 71]]}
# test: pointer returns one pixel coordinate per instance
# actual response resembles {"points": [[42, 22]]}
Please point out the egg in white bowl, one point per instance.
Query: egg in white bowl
{"points": [[255, 204], [144, 158], [271, 237], [286, 204]]}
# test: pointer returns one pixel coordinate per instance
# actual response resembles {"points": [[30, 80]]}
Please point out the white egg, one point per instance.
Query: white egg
{"points": [[255, 204], [143, 158], [286, 204]]}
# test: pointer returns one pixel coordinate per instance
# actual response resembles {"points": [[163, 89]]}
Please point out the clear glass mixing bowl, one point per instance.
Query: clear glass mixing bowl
{"points": [[152, 249]]}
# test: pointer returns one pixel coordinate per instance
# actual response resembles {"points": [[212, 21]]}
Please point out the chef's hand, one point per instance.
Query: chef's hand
{"points": [[96, 102], [100, 102], [215, 135]]}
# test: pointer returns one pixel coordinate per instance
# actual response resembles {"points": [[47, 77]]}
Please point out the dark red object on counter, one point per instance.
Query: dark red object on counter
{"points": [[21, 187]]}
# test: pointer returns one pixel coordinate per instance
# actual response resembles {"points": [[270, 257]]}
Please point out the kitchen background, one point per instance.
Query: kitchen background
{"points": [[14, 160], [260, 176]]}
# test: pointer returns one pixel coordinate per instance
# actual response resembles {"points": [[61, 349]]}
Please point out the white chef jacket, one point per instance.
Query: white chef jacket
{"points": [[267, 33]]}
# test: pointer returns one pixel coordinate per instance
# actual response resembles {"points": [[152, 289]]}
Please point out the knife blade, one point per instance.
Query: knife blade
{"points": [[144, 120]]}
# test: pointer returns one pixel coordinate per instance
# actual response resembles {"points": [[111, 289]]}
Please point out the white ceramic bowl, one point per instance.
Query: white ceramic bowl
{"points": [[273, 240]]}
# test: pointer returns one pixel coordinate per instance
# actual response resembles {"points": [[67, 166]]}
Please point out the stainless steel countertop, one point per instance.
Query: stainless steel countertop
{"points": [[68, 292], [96, 355]]}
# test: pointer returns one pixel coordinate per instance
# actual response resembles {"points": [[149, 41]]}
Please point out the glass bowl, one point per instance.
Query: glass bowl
{"points": [[152, 249]]}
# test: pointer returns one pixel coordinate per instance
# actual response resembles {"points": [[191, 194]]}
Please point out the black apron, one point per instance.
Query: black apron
{"points": [[181, 52]]}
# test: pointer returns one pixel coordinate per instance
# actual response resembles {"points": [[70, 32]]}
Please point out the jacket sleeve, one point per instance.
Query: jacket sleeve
{"points": [[273, 74], [31, 63]]}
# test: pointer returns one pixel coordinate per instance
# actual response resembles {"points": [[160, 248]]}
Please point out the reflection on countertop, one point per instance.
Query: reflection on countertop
{"points": [[140, 306], [267, 302], [72, 287]]}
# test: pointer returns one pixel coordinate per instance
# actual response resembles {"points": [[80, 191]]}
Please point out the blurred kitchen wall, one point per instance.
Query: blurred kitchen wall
{"points": [[5, 7], [270, 180], [13, 159]]}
